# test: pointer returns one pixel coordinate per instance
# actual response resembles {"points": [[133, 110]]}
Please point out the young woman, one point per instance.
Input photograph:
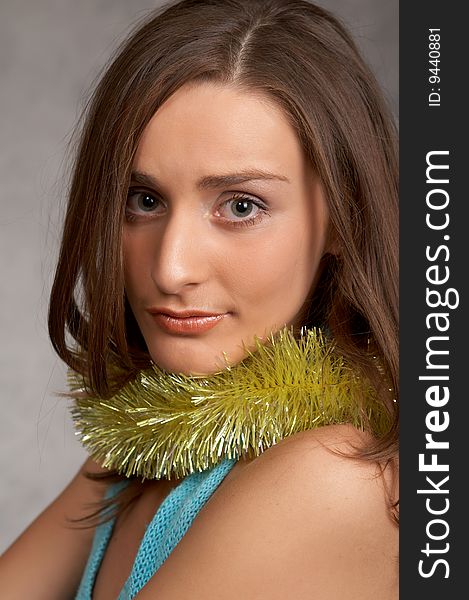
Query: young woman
{"points": [[226, 300]]}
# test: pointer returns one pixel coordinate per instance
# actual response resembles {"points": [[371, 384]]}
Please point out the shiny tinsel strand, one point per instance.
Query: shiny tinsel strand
{"points": [[166, 425]]}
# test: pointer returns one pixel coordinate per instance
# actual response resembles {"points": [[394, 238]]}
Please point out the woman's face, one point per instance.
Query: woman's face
{"points": [[226, 224]]}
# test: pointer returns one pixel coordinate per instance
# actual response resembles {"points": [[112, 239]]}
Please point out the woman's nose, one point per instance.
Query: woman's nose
{"points": [[180, 257]]}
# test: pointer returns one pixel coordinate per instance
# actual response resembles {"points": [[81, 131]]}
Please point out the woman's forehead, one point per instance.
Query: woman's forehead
{"points": [[220, 129]]}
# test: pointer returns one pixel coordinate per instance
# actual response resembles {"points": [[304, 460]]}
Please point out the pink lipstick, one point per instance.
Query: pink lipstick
{"points": [[185, 322]]}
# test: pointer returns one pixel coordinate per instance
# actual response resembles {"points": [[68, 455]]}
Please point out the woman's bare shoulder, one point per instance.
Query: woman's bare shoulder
{"points": [[302, 520]]}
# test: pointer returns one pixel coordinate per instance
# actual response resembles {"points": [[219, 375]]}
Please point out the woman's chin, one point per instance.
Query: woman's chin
{"points": [[196, 365], [202, 356]]}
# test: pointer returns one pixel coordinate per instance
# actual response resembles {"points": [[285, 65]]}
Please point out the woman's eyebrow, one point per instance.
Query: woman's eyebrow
{"points": [[215, 181]]}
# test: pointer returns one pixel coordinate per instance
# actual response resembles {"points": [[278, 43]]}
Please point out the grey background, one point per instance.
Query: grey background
{"points": [[50, 53]]}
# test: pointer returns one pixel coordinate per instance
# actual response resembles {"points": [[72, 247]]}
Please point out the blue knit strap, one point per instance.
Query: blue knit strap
{"points": [[101, 539], [171, 521]]}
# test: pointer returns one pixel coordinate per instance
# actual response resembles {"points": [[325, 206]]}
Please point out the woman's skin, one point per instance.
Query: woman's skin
{"points": [[300, 521], [247, 249]]}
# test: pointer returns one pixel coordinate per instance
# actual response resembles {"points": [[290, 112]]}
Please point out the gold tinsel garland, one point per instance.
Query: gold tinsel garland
{"points": [[165, 425]]}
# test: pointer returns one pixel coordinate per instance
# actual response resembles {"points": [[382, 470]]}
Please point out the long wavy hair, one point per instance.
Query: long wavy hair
{"points": [[303, 59]]}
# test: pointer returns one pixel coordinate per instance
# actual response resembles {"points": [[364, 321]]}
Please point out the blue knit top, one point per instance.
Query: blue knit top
{"points": [[171, 521]]}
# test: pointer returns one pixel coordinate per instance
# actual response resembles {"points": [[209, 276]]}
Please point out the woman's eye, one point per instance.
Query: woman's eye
{"points": [[240, 208], [141, 202]]}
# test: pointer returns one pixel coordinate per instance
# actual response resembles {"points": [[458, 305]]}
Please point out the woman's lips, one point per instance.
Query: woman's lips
{"points": [[187, 325]]}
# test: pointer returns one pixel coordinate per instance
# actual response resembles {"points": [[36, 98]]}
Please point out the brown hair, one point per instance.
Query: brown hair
{"points": [[302, 58]]}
